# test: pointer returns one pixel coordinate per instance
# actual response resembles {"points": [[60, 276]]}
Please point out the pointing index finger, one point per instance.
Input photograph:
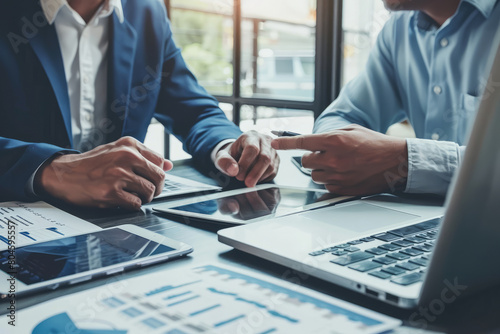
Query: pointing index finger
{"points": [[303, 142]]}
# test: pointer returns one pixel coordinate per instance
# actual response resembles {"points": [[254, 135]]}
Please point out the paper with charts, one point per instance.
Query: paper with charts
{"points": [[206, 299], [36, 222]]}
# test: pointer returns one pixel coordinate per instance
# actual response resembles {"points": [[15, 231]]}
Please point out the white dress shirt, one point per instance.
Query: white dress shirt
{"points": [[84, 48]]}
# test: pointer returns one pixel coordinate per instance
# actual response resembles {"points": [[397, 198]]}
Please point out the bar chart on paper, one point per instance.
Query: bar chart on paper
{"points": [[207, 299], [37, 222]]}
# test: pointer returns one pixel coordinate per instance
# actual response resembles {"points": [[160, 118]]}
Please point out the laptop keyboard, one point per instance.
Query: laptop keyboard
{"points": [[399, 255]]}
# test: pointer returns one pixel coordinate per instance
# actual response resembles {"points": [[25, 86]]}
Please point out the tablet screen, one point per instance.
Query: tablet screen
{"points": [[269, 202], [63, 257]]}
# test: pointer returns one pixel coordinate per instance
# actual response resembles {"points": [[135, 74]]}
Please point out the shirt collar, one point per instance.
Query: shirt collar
{"points": [[485, 7], [424, 21], [52, 7]]}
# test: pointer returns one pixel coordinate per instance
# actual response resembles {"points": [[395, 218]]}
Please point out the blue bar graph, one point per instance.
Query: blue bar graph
{"points": [[168, 288], [183, 301], [177, 295], [225, 322], [153, 323], [272, 330], [22, 220], [272, 312], [204, 310], [113, 302], [132, 312], [303, 298], [175, 331], [27, 235], [55, 230]]}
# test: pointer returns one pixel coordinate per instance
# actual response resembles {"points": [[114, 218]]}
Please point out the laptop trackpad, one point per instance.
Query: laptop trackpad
{"points": [[360, 217]]}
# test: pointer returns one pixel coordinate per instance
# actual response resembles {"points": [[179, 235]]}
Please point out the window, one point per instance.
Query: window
{"points": [[361, 24], [276, 36], [274, 64], [204, 32], [257, 57]]}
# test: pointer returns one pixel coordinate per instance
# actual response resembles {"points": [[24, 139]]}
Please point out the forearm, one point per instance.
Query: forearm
{"points": [[331, 120], [431, 165], [204, 136], [18, 162]]}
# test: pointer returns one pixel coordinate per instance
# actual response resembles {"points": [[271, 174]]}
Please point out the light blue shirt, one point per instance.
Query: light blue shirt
{"points": [[432, 76]]}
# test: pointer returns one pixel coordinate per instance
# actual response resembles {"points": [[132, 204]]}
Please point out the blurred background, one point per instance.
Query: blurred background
{"points": [[272, 64]]}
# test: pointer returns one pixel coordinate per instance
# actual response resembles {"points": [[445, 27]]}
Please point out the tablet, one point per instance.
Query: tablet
{"points": [[297, 161], [79, 258], [250, 205]]}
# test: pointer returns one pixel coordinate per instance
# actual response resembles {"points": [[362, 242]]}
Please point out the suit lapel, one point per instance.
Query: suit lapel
{"points": [[45, 44], [121, 59]]}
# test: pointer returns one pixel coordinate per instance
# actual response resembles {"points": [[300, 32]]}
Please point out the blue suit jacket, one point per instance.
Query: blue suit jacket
{"points": [[147, 78]]}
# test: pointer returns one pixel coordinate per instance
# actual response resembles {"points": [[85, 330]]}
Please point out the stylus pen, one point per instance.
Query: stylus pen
{"points": [[285, 133]]}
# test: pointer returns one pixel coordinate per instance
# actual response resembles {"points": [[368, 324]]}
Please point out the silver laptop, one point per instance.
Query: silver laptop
{"points": [[401, 253]]}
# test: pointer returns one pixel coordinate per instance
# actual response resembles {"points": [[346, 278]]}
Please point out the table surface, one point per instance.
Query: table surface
{"points": [[474, 314]]}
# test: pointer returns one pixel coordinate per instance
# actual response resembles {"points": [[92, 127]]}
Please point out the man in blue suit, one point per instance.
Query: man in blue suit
{"points": [[88, 76]]}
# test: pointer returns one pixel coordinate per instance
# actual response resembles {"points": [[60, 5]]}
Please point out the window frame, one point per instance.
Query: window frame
{"points": [[328, 61]]}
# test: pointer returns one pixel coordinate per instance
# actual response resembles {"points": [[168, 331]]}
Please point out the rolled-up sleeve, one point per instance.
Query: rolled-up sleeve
{"points": [[431, 165]]}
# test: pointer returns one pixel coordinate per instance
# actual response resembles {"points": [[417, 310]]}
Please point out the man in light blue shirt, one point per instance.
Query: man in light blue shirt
{"points": [[430, 65]]}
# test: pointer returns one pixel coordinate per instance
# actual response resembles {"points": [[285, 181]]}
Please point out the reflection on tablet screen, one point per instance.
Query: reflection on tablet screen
{"points": [[255, 204]]}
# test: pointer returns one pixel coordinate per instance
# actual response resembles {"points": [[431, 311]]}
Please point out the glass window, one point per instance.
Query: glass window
{"points": [[361, 24], [284, 66], [278, 46], [265, 119], [227, 108], [155, 139], [210, 6], [276, 52], [307, 65], [176, 150], [204, 32]]}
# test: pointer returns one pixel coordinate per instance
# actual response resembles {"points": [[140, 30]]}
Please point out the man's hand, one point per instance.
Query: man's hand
{"points": [[353, 160], [250, 158], [124, 174]]}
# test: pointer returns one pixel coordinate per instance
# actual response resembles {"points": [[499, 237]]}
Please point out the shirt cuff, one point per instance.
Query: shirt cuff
{"points": [[431, 165], [30, 185], [217, 148]]}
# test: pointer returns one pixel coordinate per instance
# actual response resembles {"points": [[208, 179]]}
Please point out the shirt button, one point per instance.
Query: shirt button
{"points": [[437, 90], [87, 117], [444, 42], [85, 80], [435, 136]]}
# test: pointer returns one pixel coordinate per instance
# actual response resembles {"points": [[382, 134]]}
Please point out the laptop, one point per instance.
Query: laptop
{"points": [[398, 252]]}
